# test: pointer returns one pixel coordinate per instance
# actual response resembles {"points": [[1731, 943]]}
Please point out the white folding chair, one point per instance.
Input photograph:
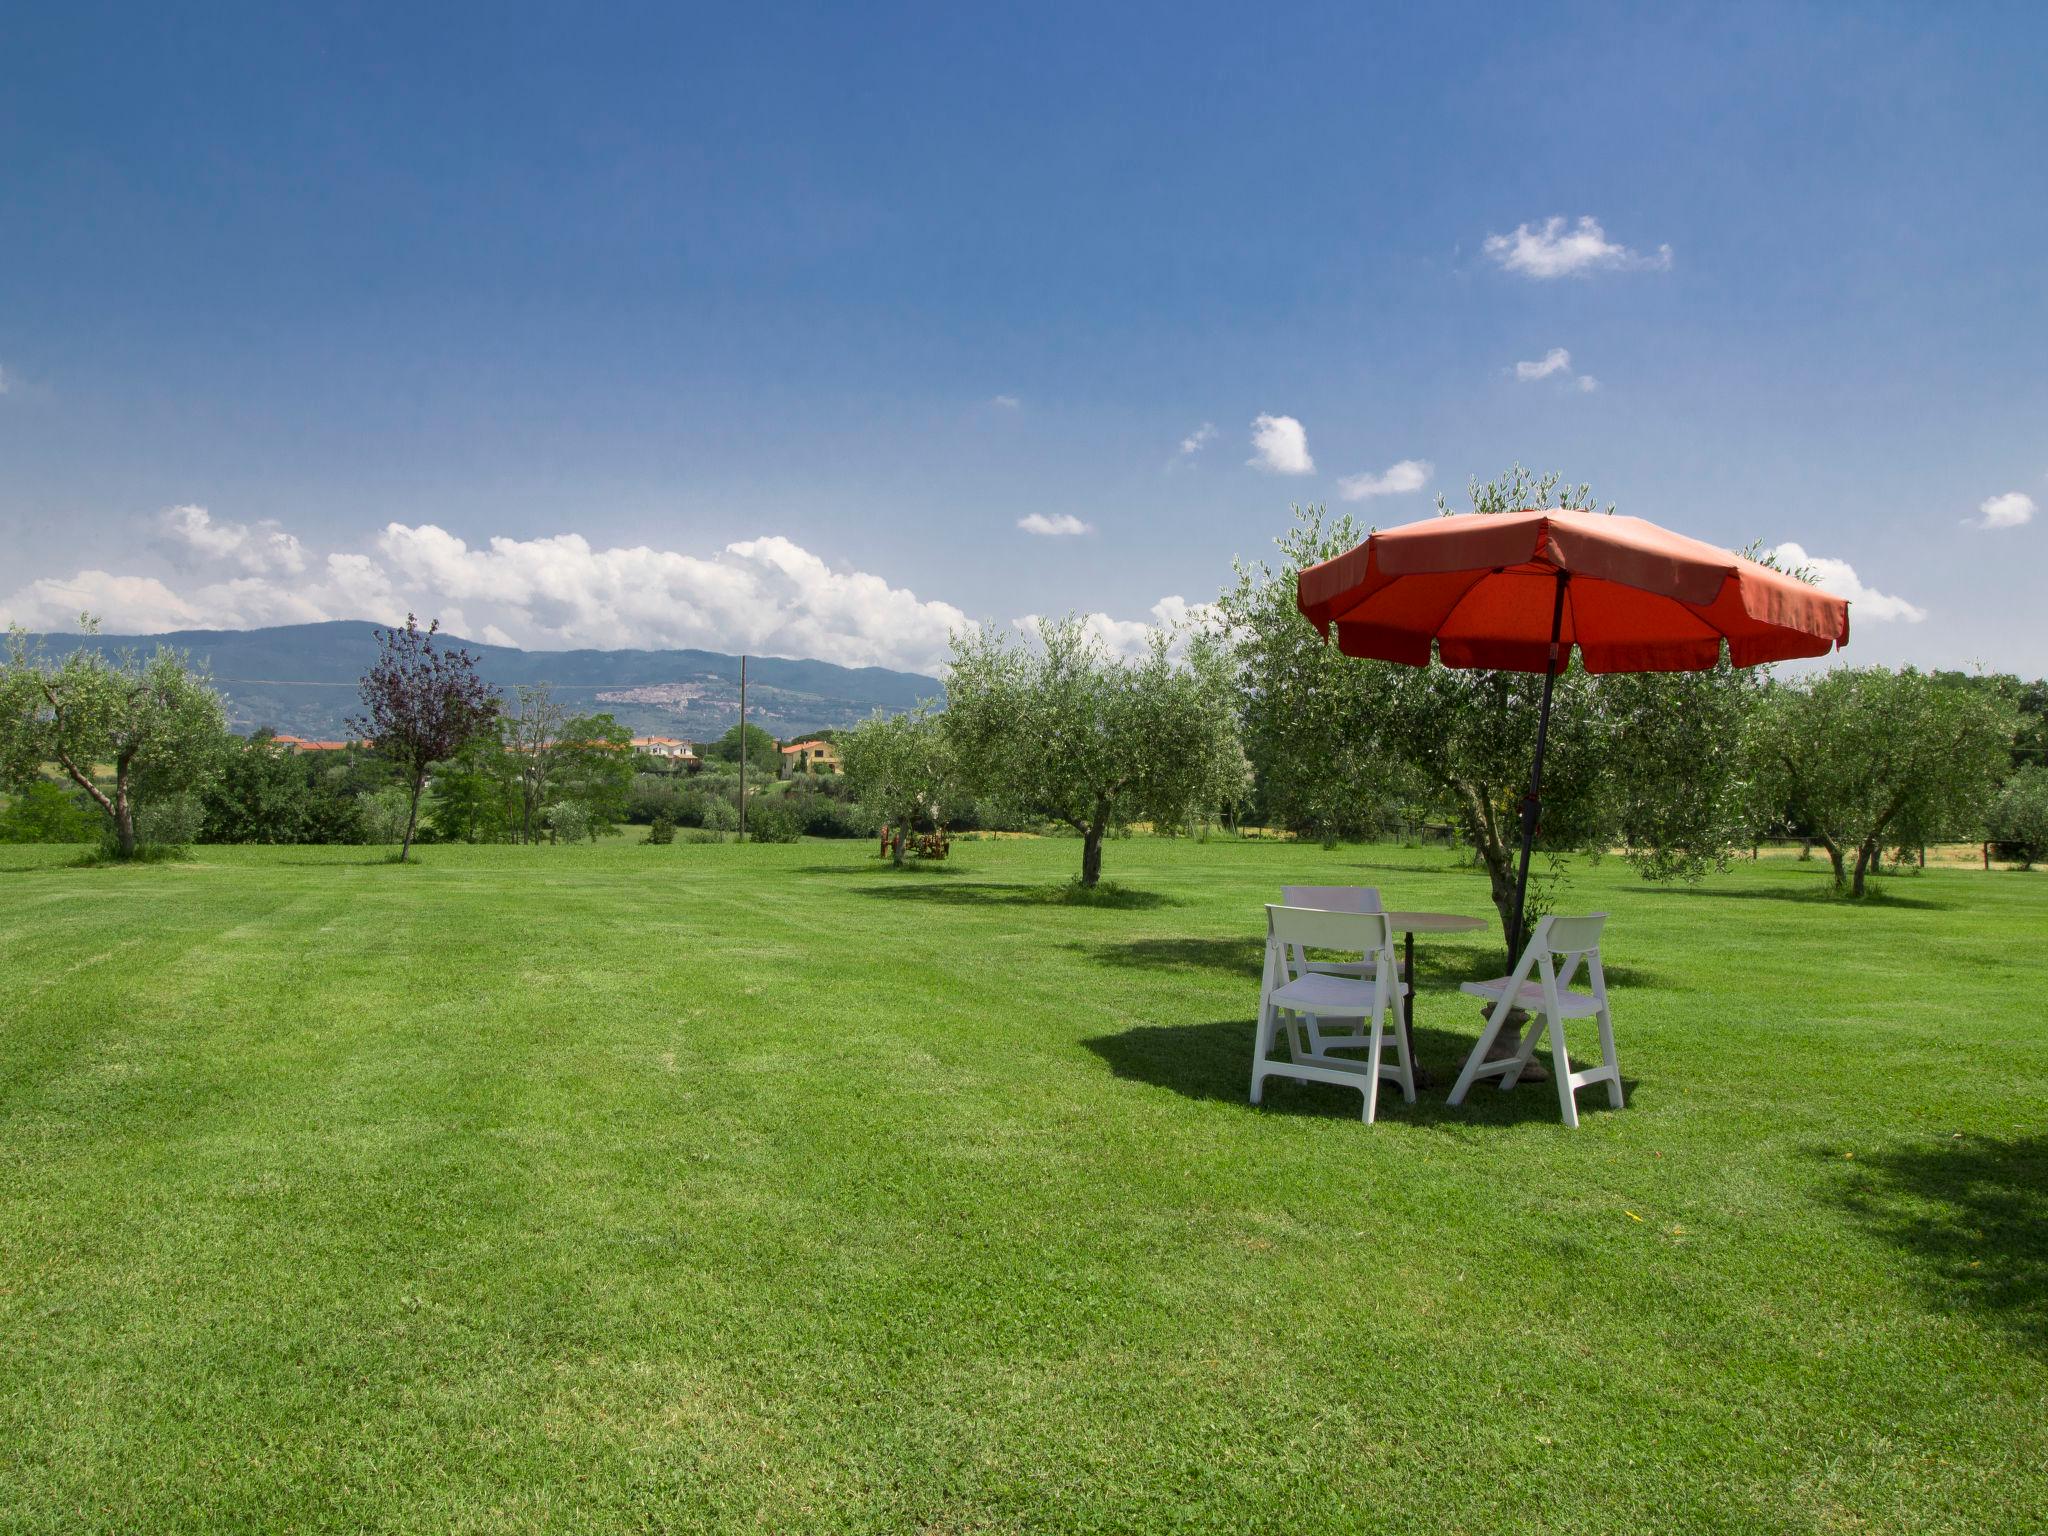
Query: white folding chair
{"points": [[1549, 1002], [1338, 898], [1294, 996]]}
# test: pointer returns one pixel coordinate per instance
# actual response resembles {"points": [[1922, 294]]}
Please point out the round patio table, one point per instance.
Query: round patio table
{"points": [[1410, 924]]}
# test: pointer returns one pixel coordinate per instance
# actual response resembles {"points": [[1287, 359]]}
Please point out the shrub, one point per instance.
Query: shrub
{"points": [[822, 814], [661, 830], [383, 814], [720, 816], [653, 796], [569, 821], [44, 813], [773, 821], [170, 821]]}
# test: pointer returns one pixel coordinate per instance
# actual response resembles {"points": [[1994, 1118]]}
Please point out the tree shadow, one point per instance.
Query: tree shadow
{"points": [[1822, 896], [1238, 957], [883, 869], [996, 894], [1213, 1062], [1973, 1211]]}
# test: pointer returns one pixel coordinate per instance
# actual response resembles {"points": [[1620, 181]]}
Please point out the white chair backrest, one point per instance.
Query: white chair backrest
{"points": [[1571, 935], [1333, 898], [1299, 928], [1575, 938]]}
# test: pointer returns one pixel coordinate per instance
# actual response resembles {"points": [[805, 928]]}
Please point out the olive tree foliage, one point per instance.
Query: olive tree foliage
{"points": [[1864, 758], [901, 769], [530, 729], [1062, 729], [155, 720], [2019, 816], [1646, 762], [1311, 718]]}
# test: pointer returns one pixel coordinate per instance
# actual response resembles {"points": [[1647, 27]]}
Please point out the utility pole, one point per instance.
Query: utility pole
{"points": [[743, 748]]}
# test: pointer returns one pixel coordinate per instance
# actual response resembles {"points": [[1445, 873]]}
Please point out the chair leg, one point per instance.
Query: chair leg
{"points": [[1561, 1069], [1473, 1062], [1262, 1047], [1607, 1057], [1532, 1036], [1372, 1073], [1406, 1077]]}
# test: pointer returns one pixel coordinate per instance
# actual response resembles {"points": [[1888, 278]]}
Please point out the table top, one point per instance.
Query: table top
{"points": [[1433, 922]]}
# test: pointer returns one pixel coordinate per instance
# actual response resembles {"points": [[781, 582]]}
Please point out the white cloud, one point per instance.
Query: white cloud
{"points": [[1556, 360], [1556, 363], [265, 546], [1133, 637], [1006, 402], [767, 596], [1399, 479], [142, 605], [1553, 250], [1281, 446], [1839, 577], [2007, 511], [1198, 439], [1060, 524]]}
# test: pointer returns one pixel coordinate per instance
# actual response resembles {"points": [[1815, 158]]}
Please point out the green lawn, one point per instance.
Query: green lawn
{"points": [[764, 1188]]}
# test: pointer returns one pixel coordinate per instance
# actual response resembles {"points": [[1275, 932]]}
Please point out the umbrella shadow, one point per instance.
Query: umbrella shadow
{"points": [[1972, 1212], [1435, 967], [1212, 1062]]}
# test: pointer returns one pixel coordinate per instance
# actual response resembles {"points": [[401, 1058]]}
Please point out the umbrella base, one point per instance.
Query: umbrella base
{"points": [[1509, 1041]]}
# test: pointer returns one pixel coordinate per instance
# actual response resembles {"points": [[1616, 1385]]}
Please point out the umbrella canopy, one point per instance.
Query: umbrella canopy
{"points": [[1519, 591], [1638, 598]]}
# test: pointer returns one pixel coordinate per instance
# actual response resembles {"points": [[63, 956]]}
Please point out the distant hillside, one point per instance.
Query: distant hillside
{"points": [[301, 679]]}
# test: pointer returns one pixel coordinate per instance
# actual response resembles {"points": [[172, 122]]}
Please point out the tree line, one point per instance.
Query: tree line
{"points": [[1256, 714], [1249, 715]]}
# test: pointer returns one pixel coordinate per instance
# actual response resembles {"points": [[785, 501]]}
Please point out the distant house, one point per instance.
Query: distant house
{"points": [[665, 746], [301, 744], [809, 757]]}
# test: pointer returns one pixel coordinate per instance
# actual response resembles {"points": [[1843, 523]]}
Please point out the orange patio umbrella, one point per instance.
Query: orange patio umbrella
{"points": [[1519, 591]]}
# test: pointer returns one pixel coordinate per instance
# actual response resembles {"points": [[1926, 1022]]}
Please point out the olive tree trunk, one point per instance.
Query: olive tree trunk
{"points": [[1091, 854]]}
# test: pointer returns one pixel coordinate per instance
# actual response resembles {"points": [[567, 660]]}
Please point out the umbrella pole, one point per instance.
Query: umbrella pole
{"points": [[1532, 803]]}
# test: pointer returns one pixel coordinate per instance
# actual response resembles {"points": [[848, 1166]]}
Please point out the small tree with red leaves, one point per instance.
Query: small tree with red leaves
{"points": [[421, 703]]}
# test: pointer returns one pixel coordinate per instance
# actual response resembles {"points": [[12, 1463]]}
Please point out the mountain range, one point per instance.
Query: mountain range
{"points": [[301, 679]]}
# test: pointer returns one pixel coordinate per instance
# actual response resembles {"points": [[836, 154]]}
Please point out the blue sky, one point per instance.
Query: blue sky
{"points": [[768, 327]]}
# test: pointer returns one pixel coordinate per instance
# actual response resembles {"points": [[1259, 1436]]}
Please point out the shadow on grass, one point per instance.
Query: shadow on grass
{"points": [[1234, 957], [1822, 895], [1214, 1062], [1973, 1212], [381, 861], [883, 869], [987, 894], [1438, 968]]}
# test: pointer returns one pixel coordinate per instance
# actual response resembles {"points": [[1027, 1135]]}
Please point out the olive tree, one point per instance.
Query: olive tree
{"points": [[136, 717], [2019, 816], [901, 768], [1864, 759], [1649, 763], [530, 730], [1062, 729]]}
